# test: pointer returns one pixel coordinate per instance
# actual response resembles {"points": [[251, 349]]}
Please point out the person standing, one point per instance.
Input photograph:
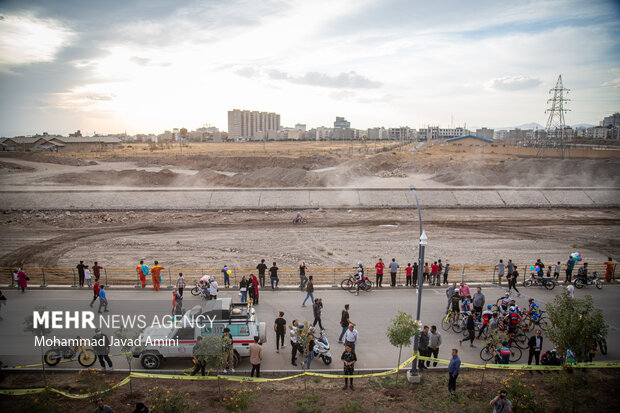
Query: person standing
{"points": [[156, 275], [254, 283], [103, 300], [273, 276], [609, 269], [423, 347], [256, 357], [351, 337], [408, 274], [97, 271], [229, 355], [243, 289], [199, 365], [414, 275], [433, 345], [345, 321], [15, 283], [95, 293], [309, 292], [317, 308], [302, 276], [379, 266], [464, 290], [453, 369], [310, 348], [177, 303], [213, 288], [279, 326], [426, 274], [80, 269], [570, 264], [479, 300], [143, 270], [102, 348], [262, 267], [445, 273], [471, 330], [500, 271], [294, 346], [487, 315], [348, 358], [449, 293], [87, 277], [571, 290], [500, 403], [439, 271], [510, 267], [226, 271], [180, 284], [556, 271], [513, 281], [434, 275], [535, 346], [393, 271], [22, 280]]}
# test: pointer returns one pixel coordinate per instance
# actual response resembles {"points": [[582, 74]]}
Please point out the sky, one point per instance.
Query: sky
{"points": [[150, 65]]}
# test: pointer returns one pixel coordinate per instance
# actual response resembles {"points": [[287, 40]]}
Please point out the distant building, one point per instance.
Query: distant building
{"points": [[300, 126], [403, 133], [435, 132], [613, 120], [249, 125], [341, 123], [377, 133], [485, 133]]}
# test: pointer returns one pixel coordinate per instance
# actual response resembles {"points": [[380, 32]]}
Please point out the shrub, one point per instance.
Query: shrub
{"points": [[351, 406], [44, 402], [307, 404], [522, 395], [239, 400], [171, 401]]}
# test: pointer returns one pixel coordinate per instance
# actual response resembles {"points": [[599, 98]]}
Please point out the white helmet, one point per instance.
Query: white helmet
{"points": [[359, 263]]}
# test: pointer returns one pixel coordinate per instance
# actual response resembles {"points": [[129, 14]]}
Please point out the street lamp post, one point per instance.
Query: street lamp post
{"points": [[413, 375]]}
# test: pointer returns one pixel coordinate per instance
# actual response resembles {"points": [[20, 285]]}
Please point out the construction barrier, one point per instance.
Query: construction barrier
{"points": [[333, 276], [21, 392]]}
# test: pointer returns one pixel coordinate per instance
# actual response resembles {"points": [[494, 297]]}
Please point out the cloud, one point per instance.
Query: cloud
{"points": [[247, 72], [350, 80], [25, 39], [512, 83], [342, 95]]}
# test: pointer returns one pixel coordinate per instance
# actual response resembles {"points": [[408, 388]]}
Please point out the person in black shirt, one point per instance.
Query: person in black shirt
{"points": [[414, 275], [261, 272], [317, 308], [302, 276], [80, 268], [280, 328], [199, 366], [273, 275], [344, 322], [348, 358]]}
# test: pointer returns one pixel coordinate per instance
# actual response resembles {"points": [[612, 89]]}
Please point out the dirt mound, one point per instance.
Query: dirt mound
{"points": [[48, 158], [13, 167], [129, 177], [261, 178]]}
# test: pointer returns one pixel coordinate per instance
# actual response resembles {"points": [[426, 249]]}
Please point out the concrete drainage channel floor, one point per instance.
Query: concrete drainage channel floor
{"points": [[48, 198]]}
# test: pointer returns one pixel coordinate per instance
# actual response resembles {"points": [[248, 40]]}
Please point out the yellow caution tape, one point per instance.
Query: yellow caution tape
{"points": [[65, 361]]}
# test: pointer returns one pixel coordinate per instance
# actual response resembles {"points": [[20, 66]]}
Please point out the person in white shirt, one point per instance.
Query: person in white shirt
{"points": [[213, 289], [571, 290], [350, 337], [87, 276], [294, 347]]}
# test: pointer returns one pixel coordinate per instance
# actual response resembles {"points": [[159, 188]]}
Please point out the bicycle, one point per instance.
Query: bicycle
{"points": [[449, 320], [488, 352], [350, 284], [541, 322], [86, 356]]}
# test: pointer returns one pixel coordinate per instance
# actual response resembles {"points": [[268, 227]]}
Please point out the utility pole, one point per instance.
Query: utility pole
{"points": [[556, 115]]}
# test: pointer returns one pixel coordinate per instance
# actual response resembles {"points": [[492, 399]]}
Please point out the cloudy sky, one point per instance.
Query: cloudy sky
{"points": [[150, 65]]}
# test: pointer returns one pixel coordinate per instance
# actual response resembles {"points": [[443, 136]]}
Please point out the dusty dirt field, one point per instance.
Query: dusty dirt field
{"points": [[554, 392], [189, 239]]}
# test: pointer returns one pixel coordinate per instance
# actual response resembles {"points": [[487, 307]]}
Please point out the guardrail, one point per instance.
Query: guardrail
{"points": [[112, 276]]}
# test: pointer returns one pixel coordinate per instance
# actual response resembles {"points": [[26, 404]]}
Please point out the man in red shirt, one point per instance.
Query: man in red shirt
{"points": [[434, 273], [408, 273], [379, 267], [97, 271], [95, 292]]}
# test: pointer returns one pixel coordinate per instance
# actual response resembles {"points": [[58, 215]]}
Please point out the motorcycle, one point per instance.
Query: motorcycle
{"points": [[301, 220], [594, 280], [201, 290], [321, 349], [547, 282], [86, 356]]}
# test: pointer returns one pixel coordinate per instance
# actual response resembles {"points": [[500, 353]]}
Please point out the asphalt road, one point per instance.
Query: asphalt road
{"points": [[370, 311]]}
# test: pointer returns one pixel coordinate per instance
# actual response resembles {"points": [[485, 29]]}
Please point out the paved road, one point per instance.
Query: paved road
{"points": [[371, 311]]}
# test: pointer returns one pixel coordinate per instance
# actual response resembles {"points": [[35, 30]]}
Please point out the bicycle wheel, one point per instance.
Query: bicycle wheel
{"points": [[543, 323], [87, 357], [550, 285], [520, 340], [598, 284], [515, 354], [194, 291], [446, 322], [457, 326], [486, 353], [603, 345], [347, 284], [368, 285], [52, 357]]}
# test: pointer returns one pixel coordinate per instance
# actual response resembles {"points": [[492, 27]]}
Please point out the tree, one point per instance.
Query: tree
{"points": [[39, 330], [210, 351], [575, 324], [123, 335], [400, 332]]}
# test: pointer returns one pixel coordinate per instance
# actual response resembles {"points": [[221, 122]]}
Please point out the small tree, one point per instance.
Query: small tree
{"points": [[39, 330], [211, 352], [400, 332], [123, 335], [575, 324]]}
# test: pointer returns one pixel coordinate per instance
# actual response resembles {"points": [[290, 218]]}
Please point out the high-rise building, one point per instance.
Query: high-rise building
{"points": [[248, 125], [612, 120], [341, 123]]}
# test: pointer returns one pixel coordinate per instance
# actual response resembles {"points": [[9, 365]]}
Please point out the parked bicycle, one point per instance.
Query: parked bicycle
{"points": [[85, 356]]}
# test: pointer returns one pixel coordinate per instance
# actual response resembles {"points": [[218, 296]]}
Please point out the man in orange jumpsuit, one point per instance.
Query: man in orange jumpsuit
{"points": [[142, 270], [155, 272]]}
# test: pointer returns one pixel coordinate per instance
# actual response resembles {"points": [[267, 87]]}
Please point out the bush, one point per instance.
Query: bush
{"points": [[307, 404], [239, 400], [351, 406], [522, 396], [44, 402], [171, 401]]}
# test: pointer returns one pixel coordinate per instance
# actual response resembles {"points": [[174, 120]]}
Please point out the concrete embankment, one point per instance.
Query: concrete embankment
{"points": [[303, 198]]}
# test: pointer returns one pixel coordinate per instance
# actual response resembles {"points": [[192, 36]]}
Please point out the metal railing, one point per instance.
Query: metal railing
{"points": [[113, 276]]}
